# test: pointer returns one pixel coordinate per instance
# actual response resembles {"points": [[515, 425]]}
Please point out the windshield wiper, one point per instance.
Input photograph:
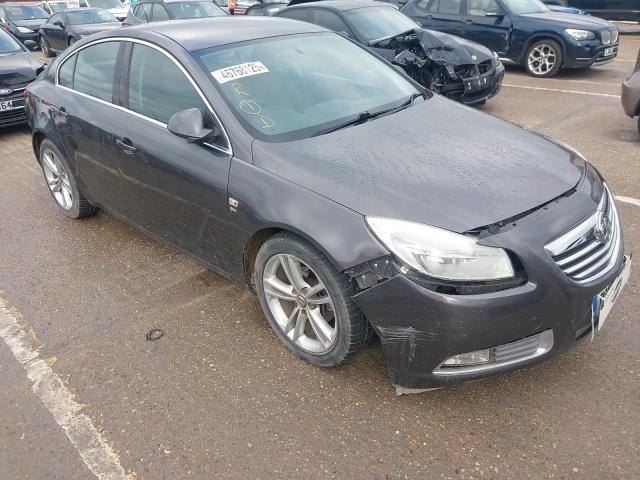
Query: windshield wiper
{"points": [[367, 115]]}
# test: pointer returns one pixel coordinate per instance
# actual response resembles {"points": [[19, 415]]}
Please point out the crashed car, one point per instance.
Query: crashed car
{"points": [[459, 69], [462, 70]]}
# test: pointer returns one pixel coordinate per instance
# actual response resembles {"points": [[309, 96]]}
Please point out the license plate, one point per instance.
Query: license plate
{"points": [[476, 84], [6, 105], [609, 51], [602, 303]]}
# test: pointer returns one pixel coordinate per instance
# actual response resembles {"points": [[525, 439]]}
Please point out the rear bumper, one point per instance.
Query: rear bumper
{"points": [[631, 95], [16, 116]]}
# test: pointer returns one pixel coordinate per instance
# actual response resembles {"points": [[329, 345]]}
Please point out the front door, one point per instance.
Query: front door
{"points": [[442, 15], [488, 24], [174, 189]]}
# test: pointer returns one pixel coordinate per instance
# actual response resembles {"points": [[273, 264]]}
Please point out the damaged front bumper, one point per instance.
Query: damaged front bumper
{"points": [[476, 86]]}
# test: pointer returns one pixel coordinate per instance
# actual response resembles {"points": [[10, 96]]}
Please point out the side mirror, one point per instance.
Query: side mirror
{"points": [[30, 44], [189, 124], [402, 2], [494, 13], [58, 23]]}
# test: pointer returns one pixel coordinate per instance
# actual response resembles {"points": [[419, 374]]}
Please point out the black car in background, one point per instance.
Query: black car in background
{"points": [[525, 32], [68, 26], [461, 70], [18, 68], [145, 11], [624, 10], [22, 20], [265, 9], [342, 192]]}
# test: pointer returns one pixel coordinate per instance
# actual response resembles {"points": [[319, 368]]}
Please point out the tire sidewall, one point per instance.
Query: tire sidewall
{"points": [[74, 211], [559, 57], [44, 45], [288, 244]]}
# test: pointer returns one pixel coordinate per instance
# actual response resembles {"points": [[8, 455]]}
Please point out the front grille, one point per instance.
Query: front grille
{"points": [[614, 35], [606, 37], [485, 67], [590, 249]]}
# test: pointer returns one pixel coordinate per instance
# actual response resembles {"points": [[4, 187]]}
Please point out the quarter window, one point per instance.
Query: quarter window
{"points": [[65, 76], [95, 69], [157, 87]]}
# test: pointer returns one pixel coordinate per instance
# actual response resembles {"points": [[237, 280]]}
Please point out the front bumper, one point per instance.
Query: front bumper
{"points": [[26, 36], [589, 53], [420, 328], [476, 89], [631, 94]]}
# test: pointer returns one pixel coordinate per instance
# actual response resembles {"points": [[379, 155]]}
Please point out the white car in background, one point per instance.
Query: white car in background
{"points": [[114, 7]]}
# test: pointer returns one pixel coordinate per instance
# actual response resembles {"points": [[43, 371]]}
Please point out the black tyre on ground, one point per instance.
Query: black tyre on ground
{"points": [[308, 302], [543, 58], [62, 183], [44, 46]]}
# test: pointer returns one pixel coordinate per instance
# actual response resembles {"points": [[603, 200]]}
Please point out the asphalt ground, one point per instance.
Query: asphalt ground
{"points": [[218, 397]]}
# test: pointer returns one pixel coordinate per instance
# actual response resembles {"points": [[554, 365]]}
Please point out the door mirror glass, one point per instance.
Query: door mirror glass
{"points": [[189, 124], [30, 44]]}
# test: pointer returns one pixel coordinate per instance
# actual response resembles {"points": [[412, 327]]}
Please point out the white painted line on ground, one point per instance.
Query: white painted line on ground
{"points": [[94, 451], [608, 95], [632, 201]]}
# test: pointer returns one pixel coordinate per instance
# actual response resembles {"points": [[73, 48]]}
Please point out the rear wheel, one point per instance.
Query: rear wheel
{"points": [[44, 46], [543, 58], [308, 302], [62, 183]]}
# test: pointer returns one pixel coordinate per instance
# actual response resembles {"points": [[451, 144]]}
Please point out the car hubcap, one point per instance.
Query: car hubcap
{"points": [[542, 59], [300, 303], [57, 179]]}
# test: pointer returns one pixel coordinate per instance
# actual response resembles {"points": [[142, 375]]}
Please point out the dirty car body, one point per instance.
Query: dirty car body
{"points": [[462, 70], [468, 257]]}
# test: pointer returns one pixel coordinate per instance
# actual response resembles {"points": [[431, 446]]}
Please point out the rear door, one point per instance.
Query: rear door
{"points": [[172, 188], [86, 117], [487, 23], [442, 15]]}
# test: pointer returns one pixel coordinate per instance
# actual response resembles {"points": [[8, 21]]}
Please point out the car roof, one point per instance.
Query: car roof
{"points": [[342, 5], [200, 33], [174, 1]]}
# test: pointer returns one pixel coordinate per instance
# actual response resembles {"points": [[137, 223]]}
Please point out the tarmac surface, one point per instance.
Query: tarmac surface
{"points": [[218, 396]]}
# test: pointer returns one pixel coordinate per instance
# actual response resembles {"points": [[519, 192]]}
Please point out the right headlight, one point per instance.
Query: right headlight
{"points": [[580, 35], [24, 30], [440, 253]]}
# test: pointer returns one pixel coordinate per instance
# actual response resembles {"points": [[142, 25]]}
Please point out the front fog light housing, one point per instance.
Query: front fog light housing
{"points": [[441, 253], [467, 359]]}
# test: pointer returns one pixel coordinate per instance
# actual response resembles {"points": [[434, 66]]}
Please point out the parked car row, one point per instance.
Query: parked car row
{"points": [[304, 165]]}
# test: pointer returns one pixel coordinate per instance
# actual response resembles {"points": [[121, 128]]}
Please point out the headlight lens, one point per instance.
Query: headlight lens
{"points": [[24, 30], [440, 253], [496, 57], [581, 34]]}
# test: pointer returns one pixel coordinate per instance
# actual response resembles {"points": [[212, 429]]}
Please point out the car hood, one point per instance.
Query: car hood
{"points": [[32, 24], [17, 69], [571, 20], [438, 163]]}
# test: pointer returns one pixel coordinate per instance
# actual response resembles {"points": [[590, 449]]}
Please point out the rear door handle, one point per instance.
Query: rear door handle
{"points": [[126, 146]]}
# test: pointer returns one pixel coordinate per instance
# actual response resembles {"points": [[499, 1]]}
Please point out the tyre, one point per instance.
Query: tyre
{"points": [[72, 41], [638, 124], [308, 302], [62, 184], [44, 46], [543, 58]]}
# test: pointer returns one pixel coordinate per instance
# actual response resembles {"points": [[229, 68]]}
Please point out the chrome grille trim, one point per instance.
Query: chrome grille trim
{"points": [[580, 255], [606, 37]]}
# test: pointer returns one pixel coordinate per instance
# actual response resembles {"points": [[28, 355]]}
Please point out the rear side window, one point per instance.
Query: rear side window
{"points": [[157, 87], [65, 75], [329, 20], [303, 14], [440, 6], [95, 69]]}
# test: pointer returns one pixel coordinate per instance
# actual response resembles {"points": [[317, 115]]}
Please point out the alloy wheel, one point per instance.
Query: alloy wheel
{"points": [[300, 303], [57, 179], [44, 46], [542, 58]]}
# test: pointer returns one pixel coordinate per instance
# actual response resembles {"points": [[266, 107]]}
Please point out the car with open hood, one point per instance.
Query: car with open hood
{"points": [[525, 32], [342, 192], [452, 66], [22, 20], [18, 68], [68, 26]]}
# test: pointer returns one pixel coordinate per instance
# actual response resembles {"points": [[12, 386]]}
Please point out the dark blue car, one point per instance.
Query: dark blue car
{"points": [[525, 32]]}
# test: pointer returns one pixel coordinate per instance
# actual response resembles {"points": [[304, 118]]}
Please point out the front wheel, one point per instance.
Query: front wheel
{"points": [[543, 58], [308, 302], [44, 46]]}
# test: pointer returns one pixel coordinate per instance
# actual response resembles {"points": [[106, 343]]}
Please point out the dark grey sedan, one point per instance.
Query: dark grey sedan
{"points": [[350, 199]]}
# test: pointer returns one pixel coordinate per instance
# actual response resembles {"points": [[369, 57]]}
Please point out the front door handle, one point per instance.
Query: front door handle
{"points": [[126, 146]]}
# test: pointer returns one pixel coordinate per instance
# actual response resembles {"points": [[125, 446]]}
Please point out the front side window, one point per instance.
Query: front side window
{"points": [[157, 87], [95, 69], [521, 7], [329, 20], [89, 16], [373, 23], [297, 86], [195, 9], [56, 17], [159, 13], [480, 8]]}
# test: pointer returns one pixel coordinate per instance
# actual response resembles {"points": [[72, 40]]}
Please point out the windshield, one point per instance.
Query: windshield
{"points": [[521, 7], [8, 44], [194, 9], [25, 12], [295, 86], [57, 6], [378, 22], [105, 4], [86, 16]]}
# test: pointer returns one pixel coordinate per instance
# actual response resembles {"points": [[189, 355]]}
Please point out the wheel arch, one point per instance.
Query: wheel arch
{"points": [[36, 142], [544, 36]]}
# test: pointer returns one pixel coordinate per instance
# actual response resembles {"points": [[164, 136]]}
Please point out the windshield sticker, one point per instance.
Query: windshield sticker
{"points": [[235, 72]]}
